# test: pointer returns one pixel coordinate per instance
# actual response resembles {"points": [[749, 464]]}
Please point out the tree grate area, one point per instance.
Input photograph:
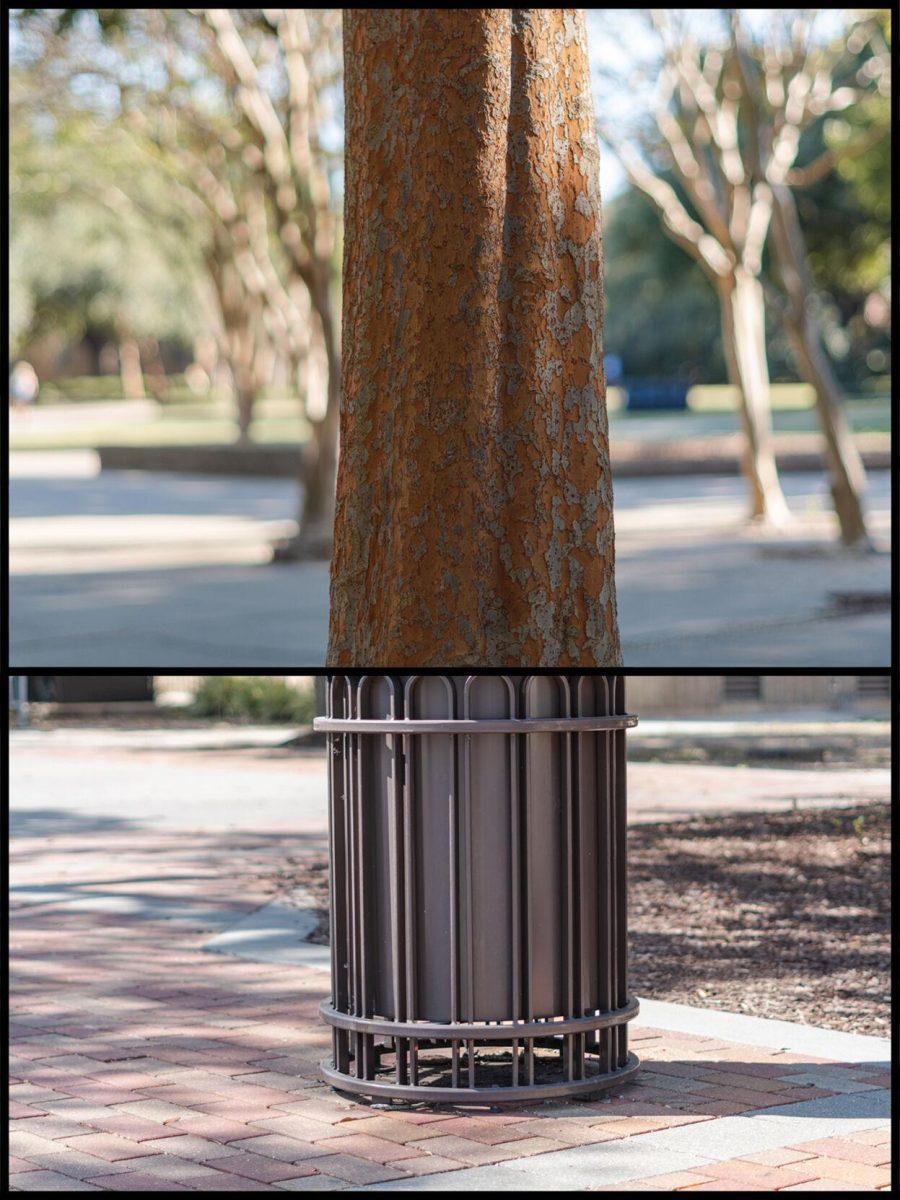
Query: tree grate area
{"points": [[780, 915], [493, 1066]]}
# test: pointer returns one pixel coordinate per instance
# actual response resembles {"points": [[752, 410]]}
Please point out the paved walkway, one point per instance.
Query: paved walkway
{"points": [[93, 779], [134, 569], [140, 1061]]}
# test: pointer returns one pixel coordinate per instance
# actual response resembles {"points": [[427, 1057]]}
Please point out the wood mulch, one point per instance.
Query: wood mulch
{"points": [[783, 915]]}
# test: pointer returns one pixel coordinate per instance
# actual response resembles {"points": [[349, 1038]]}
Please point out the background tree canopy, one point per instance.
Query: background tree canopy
{"points": [[846, 220], [102, 241]]}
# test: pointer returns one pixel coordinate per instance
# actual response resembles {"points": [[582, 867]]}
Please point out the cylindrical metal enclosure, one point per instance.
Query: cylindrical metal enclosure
{"points": [[478, 891]]}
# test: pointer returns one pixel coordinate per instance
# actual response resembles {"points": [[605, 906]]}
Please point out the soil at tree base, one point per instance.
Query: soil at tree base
{"points": [[782, 915]]}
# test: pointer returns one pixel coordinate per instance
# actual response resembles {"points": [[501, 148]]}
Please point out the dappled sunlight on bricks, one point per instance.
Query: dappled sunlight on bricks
{"points": [[142, 1062]]}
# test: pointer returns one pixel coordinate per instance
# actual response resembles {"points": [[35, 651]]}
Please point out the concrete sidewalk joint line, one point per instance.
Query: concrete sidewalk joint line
{"points": [[277, 933], [683, 1148]]}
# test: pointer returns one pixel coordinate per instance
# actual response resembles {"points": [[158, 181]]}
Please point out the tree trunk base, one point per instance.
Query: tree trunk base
{"points": [[768, 522], [307, 545], [862, 545]]}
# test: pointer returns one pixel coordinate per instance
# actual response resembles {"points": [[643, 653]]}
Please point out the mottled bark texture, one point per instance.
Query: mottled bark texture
{"points": [[474, 502]]}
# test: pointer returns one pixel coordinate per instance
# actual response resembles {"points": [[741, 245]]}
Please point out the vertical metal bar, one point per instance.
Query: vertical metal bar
{"points": [[619, 800], [453, 847], [605, 862], [365, 848], [576, 849], [453, 841], [337, 842], [569, 886], [409, 880], [470, 929], [414, 1061], [516, 752], [350, 884], [614, 885], [528, 950], [409, 863], [332, 876], [395, 818], [470, 900]]}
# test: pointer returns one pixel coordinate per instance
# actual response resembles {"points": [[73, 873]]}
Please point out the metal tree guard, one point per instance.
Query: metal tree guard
{"points": [[478, 892]]}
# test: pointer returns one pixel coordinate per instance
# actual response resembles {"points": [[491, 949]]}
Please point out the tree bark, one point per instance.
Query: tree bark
{"points": [[847, 476], [130, 372], [474, 502], [742, 308], [314, 538], [243, 370], [245, 395], [157, 379]]}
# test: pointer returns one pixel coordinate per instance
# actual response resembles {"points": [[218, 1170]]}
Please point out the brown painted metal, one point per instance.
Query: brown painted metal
{"points": [[478, 888]]}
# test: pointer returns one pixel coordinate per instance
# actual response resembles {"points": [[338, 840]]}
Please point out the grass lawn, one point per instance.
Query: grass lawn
{"points": [[85, 424]]}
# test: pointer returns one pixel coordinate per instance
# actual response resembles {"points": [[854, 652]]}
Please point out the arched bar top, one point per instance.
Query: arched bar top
{"points": [[482, 725]]}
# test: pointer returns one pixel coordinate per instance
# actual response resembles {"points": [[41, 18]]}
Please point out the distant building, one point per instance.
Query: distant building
{"points": [[89, 689], [687, 694]]}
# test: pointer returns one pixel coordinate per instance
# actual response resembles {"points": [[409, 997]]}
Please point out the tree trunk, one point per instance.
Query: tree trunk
{"points": [[245, 370], [742, 309], [130, 372], [847, 476], [315, 534], [474, 503], [245, 395], [157, 379]]}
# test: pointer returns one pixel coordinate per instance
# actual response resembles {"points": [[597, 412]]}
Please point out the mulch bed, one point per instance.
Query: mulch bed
{"points": [[782, 915]]}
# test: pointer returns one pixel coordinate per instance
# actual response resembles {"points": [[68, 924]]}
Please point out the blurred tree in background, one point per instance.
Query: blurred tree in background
{"points": [[176, 188], [716, 136], [90, 261], [644, 271], [845, 215], [237, 114]]}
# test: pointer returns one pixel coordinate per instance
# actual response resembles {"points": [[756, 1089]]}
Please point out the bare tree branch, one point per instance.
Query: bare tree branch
{"points": [[690, 235], [801, 177]]}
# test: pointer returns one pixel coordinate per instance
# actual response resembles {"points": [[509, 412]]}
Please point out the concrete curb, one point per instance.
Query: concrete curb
{"points": [[762, 1031], [631, 457]]}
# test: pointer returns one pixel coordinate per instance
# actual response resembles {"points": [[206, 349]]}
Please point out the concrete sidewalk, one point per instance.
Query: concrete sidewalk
{"points": [[70, 779], [140, 569], [142, 1061]]}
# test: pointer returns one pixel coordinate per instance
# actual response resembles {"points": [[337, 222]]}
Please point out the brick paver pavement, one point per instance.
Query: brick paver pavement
{"points": [[142, 1062]]}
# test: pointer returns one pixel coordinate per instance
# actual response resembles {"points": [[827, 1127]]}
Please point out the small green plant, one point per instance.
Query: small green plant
{"points": [[254, 698]]}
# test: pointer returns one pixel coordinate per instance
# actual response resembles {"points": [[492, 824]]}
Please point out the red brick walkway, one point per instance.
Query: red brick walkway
{"points": [[142, 1062]]}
